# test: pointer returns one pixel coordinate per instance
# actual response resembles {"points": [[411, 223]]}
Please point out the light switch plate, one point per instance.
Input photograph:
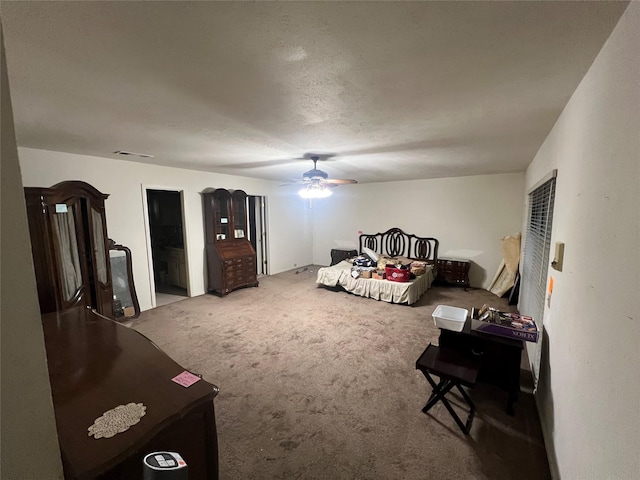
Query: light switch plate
{"points": [[558, 259]]}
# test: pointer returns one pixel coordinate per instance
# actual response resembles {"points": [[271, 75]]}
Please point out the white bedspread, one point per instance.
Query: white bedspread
{"points": [[385, 290]]}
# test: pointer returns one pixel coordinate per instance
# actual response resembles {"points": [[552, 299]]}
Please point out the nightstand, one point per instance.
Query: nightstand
{"points": [[454, 271], [337, 255]]}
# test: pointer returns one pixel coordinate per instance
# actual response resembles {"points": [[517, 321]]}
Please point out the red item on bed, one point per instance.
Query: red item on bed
{"points": [[397, 274]]}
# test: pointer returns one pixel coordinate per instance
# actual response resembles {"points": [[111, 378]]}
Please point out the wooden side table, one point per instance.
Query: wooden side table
{"points": [[453, 271], [498, 357], [338, 254]]}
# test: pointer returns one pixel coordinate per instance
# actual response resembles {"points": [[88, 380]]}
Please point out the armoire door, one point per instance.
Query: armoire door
{"points": [[69, 253], [70, 247], [98, 242]]}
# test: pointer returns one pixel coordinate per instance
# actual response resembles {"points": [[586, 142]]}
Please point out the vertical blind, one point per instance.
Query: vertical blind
{"points": [[535, 259]]}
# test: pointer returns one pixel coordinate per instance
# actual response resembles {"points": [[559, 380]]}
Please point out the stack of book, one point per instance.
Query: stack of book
{"points": [[505, 324]]}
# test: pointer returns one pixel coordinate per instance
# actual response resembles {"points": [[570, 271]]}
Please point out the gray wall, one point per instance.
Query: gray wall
{"points": [[289, 242], [468, 215], [29, 439], [589, 388]]}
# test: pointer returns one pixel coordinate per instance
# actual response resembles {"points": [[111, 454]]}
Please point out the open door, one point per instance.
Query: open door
{"points": [[258, 231], [166, 232]]}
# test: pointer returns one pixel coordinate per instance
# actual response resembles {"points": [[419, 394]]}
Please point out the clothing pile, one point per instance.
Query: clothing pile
{"points": [[363, 266]]}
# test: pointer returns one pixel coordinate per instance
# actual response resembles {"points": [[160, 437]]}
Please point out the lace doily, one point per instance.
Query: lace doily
{"points": [[117, 420]]}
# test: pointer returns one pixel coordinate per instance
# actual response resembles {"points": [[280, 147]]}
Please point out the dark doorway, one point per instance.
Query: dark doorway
{"points": [[258, 231], [167, 245]]}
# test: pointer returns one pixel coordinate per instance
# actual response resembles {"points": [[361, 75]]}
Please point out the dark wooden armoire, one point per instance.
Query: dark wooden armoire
{"points": [[70, 246], [231, 259]]}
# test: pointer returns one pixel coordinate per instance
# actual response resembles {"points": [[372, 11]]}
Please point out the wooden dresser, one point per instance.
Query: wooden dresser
{"points": [[453, 271], [96, 364], [231, 259]]}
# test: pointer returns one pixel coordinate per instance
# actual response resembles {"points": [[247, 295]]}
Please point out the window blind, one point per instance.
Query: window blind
{"points": [[535, 259]]}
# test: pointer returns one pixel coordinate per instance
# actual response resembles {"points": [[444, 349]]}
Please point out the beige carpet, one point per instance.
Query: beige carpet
{"points": [[319, 384]]}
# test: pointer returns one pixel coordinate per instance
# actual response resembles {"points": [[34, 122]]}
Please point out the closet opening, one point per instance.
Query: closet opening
{"points": [[166, 231]]}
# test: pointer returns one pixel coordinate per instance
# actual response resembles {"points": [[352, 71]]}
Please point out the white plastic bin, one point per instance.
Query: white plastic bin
{"points": [[450, 318]]}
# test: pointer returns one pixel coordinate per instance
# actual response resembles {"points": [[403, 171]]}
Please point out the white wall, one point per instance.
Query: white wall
{"points": [[29, 438], [289, 235], [589, 388], [468, 215]]}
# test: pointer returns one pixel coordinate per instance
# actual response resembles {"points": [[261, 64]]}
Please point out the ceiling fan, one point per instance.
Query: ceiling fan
{"points": [[315, 175], [318, 182]]}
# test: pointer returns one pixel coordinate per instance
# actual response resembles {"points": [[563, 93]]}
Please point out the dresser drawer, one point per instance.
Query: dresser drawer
{"points": [[453, 265]]}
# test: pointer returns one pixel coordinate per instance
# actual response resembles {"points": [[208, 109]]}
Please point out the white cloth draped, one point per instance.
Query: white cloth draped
{"points": [[71, 276], [98, 246]]}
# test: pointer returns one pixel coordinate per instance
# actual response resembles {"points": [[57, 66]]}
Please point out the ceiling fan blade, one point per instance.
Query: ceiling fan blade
{"points": [[294, 182], [340, 181], [262, 163], [319, 156], [279, 161]]}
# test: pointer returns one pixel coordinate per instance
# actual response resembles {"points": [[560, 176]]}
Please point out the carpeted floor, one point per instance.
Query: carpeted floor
{"points": [[318, 384]]}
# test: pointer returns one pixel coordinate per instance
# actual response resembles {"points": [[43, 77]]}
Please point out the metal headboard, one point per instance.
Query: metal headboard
{"points": [[394, 242]]}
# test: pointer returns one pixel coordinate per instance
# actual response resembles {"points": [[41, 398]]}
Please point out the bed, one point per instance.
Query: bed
{"points": [[392, 243]]}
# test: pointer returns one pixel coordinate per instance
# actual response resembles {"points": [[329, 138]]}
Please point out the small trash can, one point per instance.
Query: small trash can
{"points": [[164, 466]]}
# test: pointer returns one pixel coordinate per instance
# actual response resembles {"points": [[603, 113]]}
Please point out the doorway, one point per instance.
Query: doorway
{"points": [[257, 208], [166, 229]]}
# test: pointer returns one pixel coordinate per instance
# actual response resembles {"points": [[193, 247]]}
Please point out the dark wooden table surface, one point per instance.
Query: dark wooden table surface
{"points": [[498, 358], [96, 364]]}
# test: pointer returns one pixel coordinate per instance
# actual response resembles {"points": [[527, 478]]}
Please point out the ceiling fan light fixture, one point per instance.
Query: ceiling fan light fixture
{"points": [[315, 190]]}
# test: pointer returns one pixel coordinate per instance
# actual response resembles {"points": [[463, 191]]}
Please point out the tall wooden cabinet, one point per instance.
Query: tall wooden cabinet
{"points": [[70, 247], [231, 259]]}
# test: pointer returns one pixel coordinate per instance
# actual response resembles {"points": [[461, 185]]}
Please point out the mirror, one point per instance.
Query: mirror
{"points": [[125, 300]]}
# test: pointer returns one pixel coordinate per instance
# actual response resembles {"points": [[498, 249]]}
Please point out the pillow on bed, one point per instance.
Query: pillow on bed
{"points": [[395, 261], [372, 255], [384, 260], [404, 260]]}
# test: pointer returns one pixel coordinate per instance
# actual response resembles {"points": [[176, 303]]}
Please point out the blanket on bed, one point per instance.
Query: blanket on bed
{"points": [[385, 290]]}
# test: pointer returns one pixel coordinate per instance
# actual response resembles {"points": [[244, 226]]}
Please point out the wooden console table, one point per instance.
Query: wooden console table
{"points": [[497, 357], [96, 364]]}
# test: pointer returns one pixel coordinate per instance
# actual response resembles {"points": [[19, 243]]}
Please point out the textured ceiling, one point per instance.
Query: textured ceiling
{"points": [[395, 91]]}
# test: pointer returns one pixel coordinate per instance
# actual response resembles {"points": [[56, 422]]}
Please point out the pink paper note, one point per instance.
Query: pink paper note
{"points": [[186, 379]]}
